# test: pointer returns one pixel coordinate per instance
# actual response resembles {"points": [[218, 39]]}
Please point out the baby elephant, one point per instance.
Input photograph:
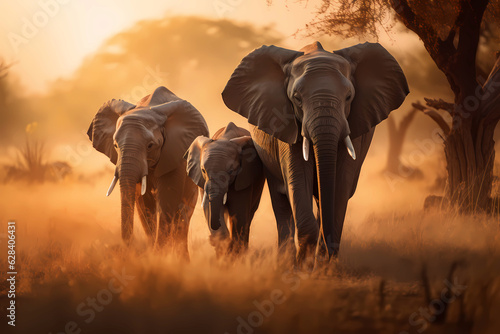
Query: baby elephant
{"points": [[230, 174]]}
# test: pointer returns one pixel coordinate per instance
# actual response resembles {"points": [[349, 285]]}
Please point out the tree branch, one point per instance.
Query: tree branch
{"points": [[4, 69], [441, 51], [391, 123], [440, 104], [435, 116], [405, 123]]}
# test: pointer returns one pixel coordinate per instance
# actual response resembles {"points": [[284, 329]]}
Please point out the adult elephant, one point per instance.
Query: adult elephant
{"points": [[147, 143], [229, 173], [332, 100]]}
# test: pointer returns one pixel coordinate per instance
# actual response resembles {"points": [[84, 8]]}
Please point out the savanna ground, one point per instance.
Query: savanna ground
{"points": [[399, 267]]}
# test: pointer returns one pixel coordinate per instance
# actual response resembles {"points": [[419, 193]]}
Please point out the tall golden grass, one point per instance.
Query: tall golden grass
{"points": [[69, 252]]}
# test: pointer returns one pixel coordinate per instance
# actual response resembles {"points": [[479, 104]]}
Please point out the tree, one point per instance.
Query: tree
{"points": [[397, 134], [192, 56], [451, 32], [14, 111]]}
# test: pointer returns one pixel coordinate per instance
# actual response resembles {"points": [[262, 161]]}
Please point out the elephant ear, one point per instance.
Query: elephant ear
{"points": [[192, 157], [257, 91], [250, 164], [103, 127], [183, 124], [379, 82]]}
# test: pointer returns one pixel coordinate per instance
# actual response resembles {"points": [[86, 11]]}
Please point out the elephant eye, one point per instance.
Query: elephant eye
{"points": [[203, 171], [116, 145], [297, 98], [348, 97], [150, 146]]}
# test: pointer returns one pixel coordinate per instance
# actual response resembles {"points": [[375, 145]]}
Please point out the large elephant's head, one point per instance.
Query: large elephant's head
{"points": [[319, 97], [215, 165], [144, 141]]}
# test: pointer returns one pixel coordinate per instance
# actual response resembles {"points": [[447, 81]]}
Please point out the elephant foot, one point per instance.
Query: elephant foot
{"points": [[287, 255], [182, 252], [237, 248], [306, 253], [128, 239], [306, 257], [326, 265], [220, 240]]}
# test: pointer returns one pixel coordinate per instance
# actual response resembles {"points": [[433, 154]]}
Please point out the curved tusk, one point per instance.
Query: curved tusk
{"points": [[203, 200], [112, 186], [143, 185], [305, 148], [350, 148], [225, 199]]}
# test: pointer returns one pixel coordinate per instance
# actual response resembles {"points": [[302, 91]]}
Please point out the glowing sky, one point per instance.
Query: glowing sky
{"points": [[47, 39]]}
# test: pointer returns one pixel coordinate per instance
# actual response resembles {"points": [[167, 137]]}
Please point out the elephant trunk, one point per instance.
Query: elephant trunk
{"points": [[325, 134], [216, 214], [127, 191], [215, 198], [131, 171]]}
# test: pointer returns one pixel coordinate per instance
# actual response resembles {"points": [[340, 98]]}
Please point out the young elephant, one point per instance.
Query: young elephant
{"points": [[146, 142], [230, 174]]}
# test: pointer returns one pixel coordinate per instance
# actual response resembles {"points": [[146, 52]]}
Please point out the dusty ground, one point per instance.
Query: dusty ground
{"points": [[75, 275]]}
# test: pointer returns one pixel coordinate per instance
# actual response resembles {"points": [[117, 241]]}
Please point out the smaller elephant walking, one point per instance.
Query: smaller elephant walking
{"points": [[230, 175], [147, 142]]}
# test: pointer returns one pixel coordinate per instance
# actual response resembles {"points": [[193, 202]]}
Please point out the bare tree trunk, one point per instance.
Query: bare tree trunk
{"points": [[470, 157], [469, 144], [397, 136]]}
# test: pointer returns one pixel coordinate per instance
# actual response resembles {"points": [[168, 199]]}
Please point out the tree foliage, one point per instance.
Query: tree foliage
{"points": [[451, 30]]}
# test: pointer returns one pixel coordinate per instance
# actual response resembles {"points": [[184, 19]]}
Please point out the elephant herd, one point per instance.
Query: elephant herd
{"points": [[312, 115]]}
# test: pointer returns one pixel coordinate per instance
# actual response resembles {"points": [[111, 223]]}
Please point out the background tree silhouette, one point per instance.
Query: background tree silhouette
{"points": [[14, 111], [192, 56], [397, 134]]}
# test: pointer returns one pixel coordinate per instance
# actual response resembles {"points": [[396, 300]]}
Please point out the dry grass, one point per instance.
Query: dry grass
{"points": [[69, 250]]}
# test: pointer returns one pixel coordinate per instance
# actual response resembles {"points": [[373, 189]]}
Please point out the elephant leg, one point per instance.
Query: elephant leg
{"points": [[237, 214], [177, 196], [284, 217], [146, 208], [347, 180], [299, 176], [186, 210], [253, 201], [240, 231], [255, 196]]}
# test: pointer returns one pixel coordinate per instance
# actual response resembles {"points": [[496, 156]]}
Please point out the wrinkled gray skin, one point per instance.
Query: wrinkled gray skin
{"points": [[147, 142], [304, 105], [231, 178]]}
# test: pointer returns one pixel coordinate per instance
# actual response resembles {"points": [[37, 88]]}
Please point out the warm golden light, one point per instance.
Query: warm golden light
{"points": [[405, 249]]}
